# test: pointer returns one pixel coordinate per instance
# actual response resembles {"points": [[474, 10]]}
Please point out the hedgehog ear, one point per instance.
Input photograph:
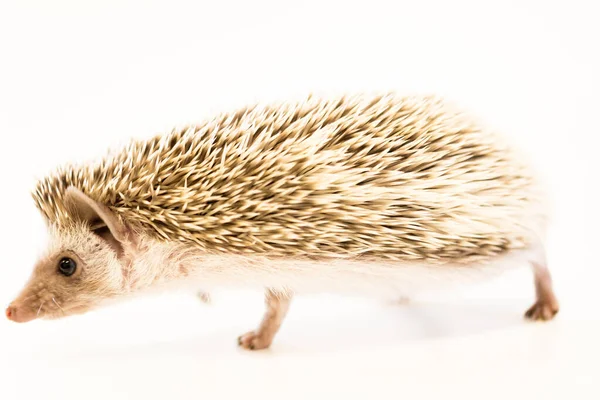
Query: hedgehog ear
{"points": [[101, 219]]}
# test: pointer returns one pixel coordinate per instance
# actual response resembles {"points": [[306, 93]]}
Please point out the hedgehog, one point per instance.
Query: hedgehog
{"points": [[366, 194]]}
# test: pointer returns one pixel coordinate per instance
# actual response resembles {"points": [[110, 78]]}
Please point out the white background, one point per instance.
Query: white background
{"points": [[77, 77]]}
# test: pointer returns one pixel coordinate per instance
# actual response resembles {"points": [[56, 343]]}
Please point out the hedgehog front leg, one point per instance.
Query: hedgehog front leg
{"points": [[546, 305], [277, 303]]}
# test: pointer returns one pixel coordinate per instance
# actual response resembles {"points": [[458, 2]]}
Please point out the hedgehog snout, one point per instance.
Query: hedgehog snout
{"points": [[17, 313]]}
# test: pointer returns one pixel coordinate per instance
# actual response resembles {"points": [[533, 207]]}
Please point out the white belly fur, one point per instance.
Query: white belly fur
{"points": [[377, 279]]}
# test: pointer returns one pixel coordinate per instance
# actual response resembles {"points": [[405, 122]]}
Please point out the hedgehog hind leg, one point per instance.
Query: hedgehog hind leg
{"points": [[277, 303], [546, 305]]}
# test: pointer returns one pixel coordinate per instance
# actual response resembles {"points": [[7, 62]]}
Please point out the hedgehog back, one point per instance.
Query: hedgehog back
{"points": [[401, 178]]}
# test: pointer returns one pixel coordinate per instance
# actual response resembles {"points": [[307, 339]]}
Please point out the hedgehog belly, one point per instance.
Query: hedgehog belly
{"points": [[373, 278]]}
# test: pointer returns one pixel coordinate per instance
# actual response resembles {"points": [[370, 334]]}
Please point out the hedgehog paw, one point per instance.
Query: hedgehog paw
{"points": [[204, 297], [254, 341], [542, 311]]}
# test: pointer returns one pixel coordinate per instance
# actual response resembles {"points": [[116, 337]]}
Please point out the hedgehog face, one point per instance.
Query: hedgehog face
{"points": [[83, 267]]}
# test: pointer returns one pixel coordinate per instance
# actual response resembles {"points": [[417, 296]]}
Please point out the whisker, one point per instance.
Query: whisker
{"points": [[58, 305], [29, 297], [39, 309]]}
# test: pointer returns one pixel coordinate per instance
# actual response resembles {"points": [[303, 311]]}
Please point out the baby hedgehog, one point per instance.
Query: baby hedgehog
{"points": [[365, 195]]}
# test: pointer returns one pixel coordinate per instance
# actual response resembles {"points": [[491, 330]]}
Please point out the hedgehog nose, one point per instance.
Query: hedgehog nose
{"points": [[11, 312], [19, 313]]}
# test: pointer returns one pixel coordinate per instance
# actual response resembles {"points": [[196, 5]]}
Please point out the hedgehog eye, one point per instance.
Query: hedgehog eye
{"points": [[67, 266]]}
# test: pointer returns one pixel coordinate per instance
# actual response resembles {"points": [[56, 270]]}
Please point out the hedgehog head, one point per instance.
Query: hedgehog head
{"points": [[86, 263]]}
